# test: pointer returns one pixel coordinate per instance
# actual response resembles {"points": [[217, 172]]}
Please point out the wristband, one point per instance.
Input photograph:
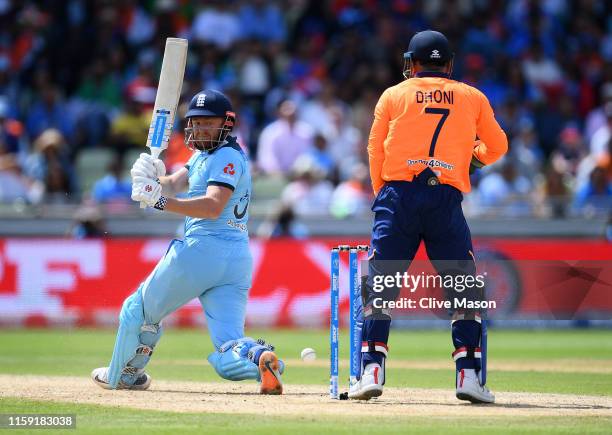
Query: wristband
{"points": [[161, 203]]}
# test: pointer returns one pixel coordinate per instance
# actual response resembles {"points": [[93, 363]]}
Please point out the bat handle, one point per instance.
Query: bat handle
{"points": [[155, 152]]}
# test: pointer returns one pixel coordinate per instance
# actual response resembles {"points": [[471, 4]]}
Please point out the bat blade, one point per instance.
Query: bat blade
{"points": [[168, 95]]}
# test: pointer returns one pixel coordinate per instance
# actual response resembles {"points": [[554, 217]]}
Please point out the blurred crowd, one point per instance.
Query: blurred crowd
{"points": [[78, 81]]}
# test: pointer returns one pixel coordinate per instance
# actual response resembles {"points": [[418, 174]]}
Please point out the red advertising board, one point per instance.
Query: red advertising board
{"points": [[63, 281]]}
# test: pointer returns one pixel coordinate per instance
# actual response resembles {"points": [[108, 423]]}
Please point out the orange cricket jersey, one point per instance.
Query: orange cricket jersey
{"points": [[432, 121]]}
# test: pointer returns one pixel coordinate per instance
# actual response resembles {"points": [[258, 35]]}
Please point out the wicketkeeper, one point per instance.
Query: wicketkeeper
{"points": [[421, 149], [212, 263]]}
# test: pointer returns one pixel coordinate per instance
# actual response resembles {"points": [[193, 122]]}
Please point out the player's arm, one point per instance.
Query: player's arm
{"points": [[378, 134], [175, 183], [493, 143], [208, 206]]}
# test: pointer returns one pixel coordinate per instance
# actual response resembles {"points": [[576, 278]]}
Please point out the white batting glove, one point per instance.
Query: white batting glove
{"points": [[147, 166], [146, 190]]}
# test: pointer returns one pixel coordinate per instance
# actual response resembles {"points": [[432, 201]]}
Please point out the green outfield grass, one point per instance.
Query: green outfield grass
{"points": [[181, 355], [98, 419]]}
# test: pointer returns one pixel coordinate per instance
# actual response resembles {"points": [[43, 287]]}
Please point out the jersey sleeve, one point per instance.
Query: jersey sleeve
{"points": [[493, 143], [376, 141], [226, 168]]}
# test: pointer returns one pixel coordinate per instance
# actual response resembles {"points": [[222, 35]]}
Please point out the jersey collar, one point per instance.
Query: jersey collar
{"points": [[229, 142], [432, 74]]}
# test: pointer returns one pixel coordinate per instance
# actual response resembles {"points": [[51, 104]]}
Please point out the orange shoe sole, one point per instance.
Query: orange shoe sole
{"points": [[270, 376]]}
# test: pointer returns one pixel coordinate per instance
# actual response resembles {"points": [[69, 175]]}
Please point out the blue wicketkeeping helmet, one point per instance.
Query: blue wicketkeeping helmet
{"points": [[212, 104]]}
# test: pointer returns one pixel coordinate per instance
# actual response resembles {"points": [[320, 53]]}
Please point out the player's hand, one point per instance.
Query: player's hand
{"points": [[147, 166], [146, 190]]}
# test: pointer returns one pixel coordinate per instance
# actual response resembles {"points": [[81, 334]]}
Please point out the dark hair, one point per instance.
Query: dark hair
{"points": [[433, 65]]}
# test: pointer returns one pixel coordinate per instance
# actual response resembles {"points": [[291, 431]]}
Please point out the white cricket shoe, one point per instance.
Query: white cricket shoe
{"points": [[469, 388], [370, 385], [100, 378]]}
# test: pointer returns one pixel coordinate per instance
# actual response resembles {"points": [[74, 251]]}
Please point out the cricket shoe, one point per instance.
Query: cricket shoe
{"points": [[469, 388], [370, 385], [269, 370], [100, 378]]}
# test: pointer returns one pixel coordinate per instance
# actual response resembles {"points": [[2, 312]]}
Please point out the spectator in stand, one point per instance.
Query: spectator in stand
{"points": [[49, 111], [541, 71], [353, 196], [602, 135], [14, 185], [100, 86], [344, 142], [131, 128], [319, 112], [362, 111], [217, 22], [505, 191], [545, 63], [554, 193], [570, 152], [525, 150], [283, 141], [319, 153], [142, 83], [600, 151], [49, 165], [282, 223], [88, 223], [254, 76], [596, 196], [113, 188], [309, 194], [11, 130], [262, 20], [9, 87], [597, 117]]}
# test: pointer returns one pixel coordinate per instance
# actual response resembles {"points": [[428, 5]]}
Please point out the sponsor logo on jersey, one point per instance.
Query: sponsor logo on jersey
{"points": [[432, 163], [237, 225], [229, 169]]}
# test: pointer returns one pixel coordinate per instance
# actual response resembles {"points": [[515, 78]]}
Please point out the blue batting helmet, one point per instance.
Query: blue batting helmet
{"points": [[211, 104]]}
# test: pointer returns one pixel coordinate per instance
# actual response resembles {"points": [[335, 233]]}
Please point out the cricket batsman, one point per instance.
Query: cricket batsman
{"points": [[212, 263], [429, 132]]}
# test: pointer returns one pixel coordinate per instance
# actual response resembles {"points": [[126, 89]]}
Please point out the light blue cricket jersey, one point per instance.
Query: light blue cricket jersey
{"points": [[225, 166]]}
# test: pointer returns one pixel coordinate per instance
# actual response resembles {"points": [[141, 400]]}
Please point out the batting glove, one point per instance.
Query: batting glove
{"points": [[148, 167], [146, 190]]}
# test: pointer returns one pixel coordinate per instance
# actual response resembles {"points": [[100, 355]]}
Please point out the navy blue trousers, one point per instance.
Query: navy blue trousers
{"points": [[407, 213]]}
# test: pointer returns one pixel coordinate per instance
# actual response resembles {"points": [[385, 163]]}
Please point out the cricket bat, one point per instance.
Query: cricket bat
{"points": [[167, 98]]}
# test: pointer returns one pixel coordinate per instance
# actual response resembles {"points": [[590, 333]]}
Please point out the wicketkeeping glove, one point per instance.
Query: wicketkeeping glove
{"points": [[146, 190], [147, 166], [475, 164]]}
